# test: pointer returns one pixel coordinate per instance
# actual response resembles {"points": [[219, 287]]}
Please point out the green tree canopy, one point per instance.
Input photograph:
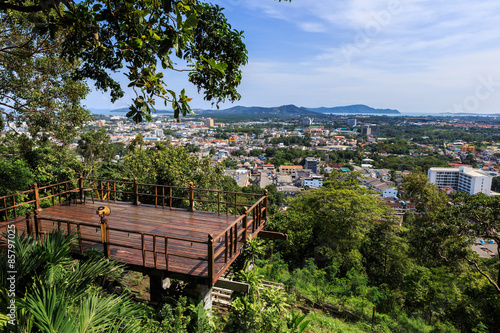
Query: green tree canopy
{"points": [[331, 223], [137, 37], [37, 90]]}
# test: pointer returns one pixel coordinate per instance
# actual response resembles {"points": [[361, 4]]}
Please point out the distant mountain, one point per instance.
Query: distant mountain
{"points": [[283, 111], [125, 110], [358, 108]]}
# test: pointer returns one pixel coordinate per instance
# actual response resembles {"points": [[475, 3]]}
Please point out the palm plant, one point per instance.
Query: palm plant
{"points": [[55, 293]]}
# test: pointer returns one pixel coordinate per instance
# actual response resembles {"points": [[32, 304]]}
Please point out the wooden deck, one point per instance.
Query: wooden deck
{"points": [[176, 241]]}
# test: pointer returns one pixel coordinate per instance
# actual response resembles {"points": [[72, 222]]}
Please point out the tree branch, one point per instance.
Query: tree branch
{"points": [[484, 274]]}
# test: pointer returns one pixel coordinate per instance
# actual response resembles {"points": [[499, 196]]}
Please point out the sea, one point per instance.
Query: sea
{"points": [[123, 112]]}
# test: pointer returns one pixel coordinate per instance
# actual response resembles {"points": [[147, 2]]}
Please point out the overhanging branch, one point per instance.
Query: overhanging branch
{"points": [[484, 274]]}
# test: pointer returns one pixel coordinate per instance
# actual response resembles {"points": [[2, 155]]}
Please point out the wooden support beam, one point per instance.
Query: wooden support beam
{"points": [[232, 285], [273, 235], [155, 288]]}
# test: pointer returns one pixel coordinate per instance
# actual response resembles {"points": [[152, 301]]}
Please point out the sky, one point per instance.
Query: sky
{"points": [[411, 55]]}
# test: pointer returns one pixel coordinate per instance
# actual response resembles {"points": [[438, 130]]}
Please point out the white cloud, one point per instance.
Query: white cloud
{"points": [[419, 55]]}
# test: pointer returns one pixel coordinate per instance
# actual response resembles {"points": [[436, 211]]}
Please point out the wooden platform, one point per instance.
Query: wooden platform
{"points": [[172, 241]]}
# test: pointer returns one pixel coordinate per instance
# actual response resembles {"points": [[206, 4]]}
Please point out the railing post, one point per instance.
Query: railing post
{"points": [[28, 224], [245, 224], [35, 220], [105, 236], [136, 193], [191, 197], [211, 258], [265, 206], [80, 185], [37, 197], [37, 208]]}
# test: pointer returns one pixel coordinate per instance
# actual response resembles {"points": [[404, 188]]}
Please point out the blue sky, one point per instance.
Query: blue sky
{"points": [[411, 55]]}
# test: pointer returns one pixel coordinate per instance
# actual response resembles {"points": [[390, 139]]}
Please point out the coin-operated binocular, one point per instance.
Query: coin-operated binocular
{"points": [[103, 211]]}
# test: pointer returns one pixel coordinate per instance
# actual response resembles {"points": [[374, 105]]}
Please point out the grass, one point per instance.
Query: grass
{"points": [[137, 284]]}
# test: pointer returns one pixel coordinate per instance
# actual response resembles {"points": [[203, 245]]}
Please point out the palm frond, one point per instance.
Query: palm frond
{"points": [[50, 311]]}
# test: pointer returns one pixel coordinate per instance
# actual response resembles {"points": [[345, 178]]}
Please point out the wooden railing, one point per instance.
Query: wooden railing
{"points": [[141, 237], [166, 196], [236, 235], [14, 205]]}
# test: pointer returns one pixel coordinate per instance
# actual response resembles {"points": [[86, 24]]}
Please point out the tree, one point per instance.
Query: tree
{"points": [[444, 231], [136, 143], [471, 160], [478, 217], [385, 255], [94, 146], [426, 196], [37, 91], [106, 36], [495, 184], [331, 223], [173, 166], [15, 175]]}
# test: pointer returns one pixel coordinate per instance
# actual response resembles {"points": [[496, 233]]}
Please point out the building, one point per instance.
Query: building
{"points": [[370, 129], [351, 122], [312, 182], [307, 121], [289, 169], [159, 133], [389, 192], [209, 122], [463, 179], [312, 164], [467, 148], [240, 176]]}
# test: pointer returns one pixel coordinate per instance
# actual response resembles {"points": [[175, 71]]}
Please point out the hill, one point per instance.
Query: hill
{"points": [[354, 109], [284, 111]]}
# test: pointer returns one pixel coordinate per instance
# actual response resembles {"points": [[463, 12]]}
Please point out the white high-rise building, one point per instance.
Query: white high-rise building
{"points": [[464, 179]]}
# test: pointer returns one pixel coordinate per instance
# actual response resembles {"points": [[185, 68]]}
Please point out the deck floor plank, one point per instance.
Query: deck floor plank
{"points": [[164, 222]]}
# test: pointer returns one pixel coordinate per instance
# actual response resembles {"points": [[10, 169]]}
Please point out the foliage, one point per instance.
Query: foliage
{"points": [[37, 90], [51, 309], [14, 175], [261, 309], [413, 164], [385, 255], [56, 294], [94, 147], [172, 166], [292, 140], [330, 223], [182, 318], [426, 196], [495, 184], [108, 35]]}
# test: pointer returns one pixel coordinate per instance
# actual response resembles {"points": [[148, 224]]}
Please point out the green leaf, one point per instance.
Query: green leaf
{"points": [[136, 42], [191, 22]]}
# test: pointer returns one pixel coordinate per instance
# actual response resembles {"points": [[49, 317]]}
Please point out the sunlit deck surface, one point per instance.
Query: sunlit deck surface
{"points": [[176, 241], [127, 223]]}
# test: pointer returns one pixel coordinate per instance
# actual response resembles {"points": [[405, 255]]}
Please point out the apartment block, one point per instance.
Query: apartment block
{"points": [[312, 164], [463, 179]]}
